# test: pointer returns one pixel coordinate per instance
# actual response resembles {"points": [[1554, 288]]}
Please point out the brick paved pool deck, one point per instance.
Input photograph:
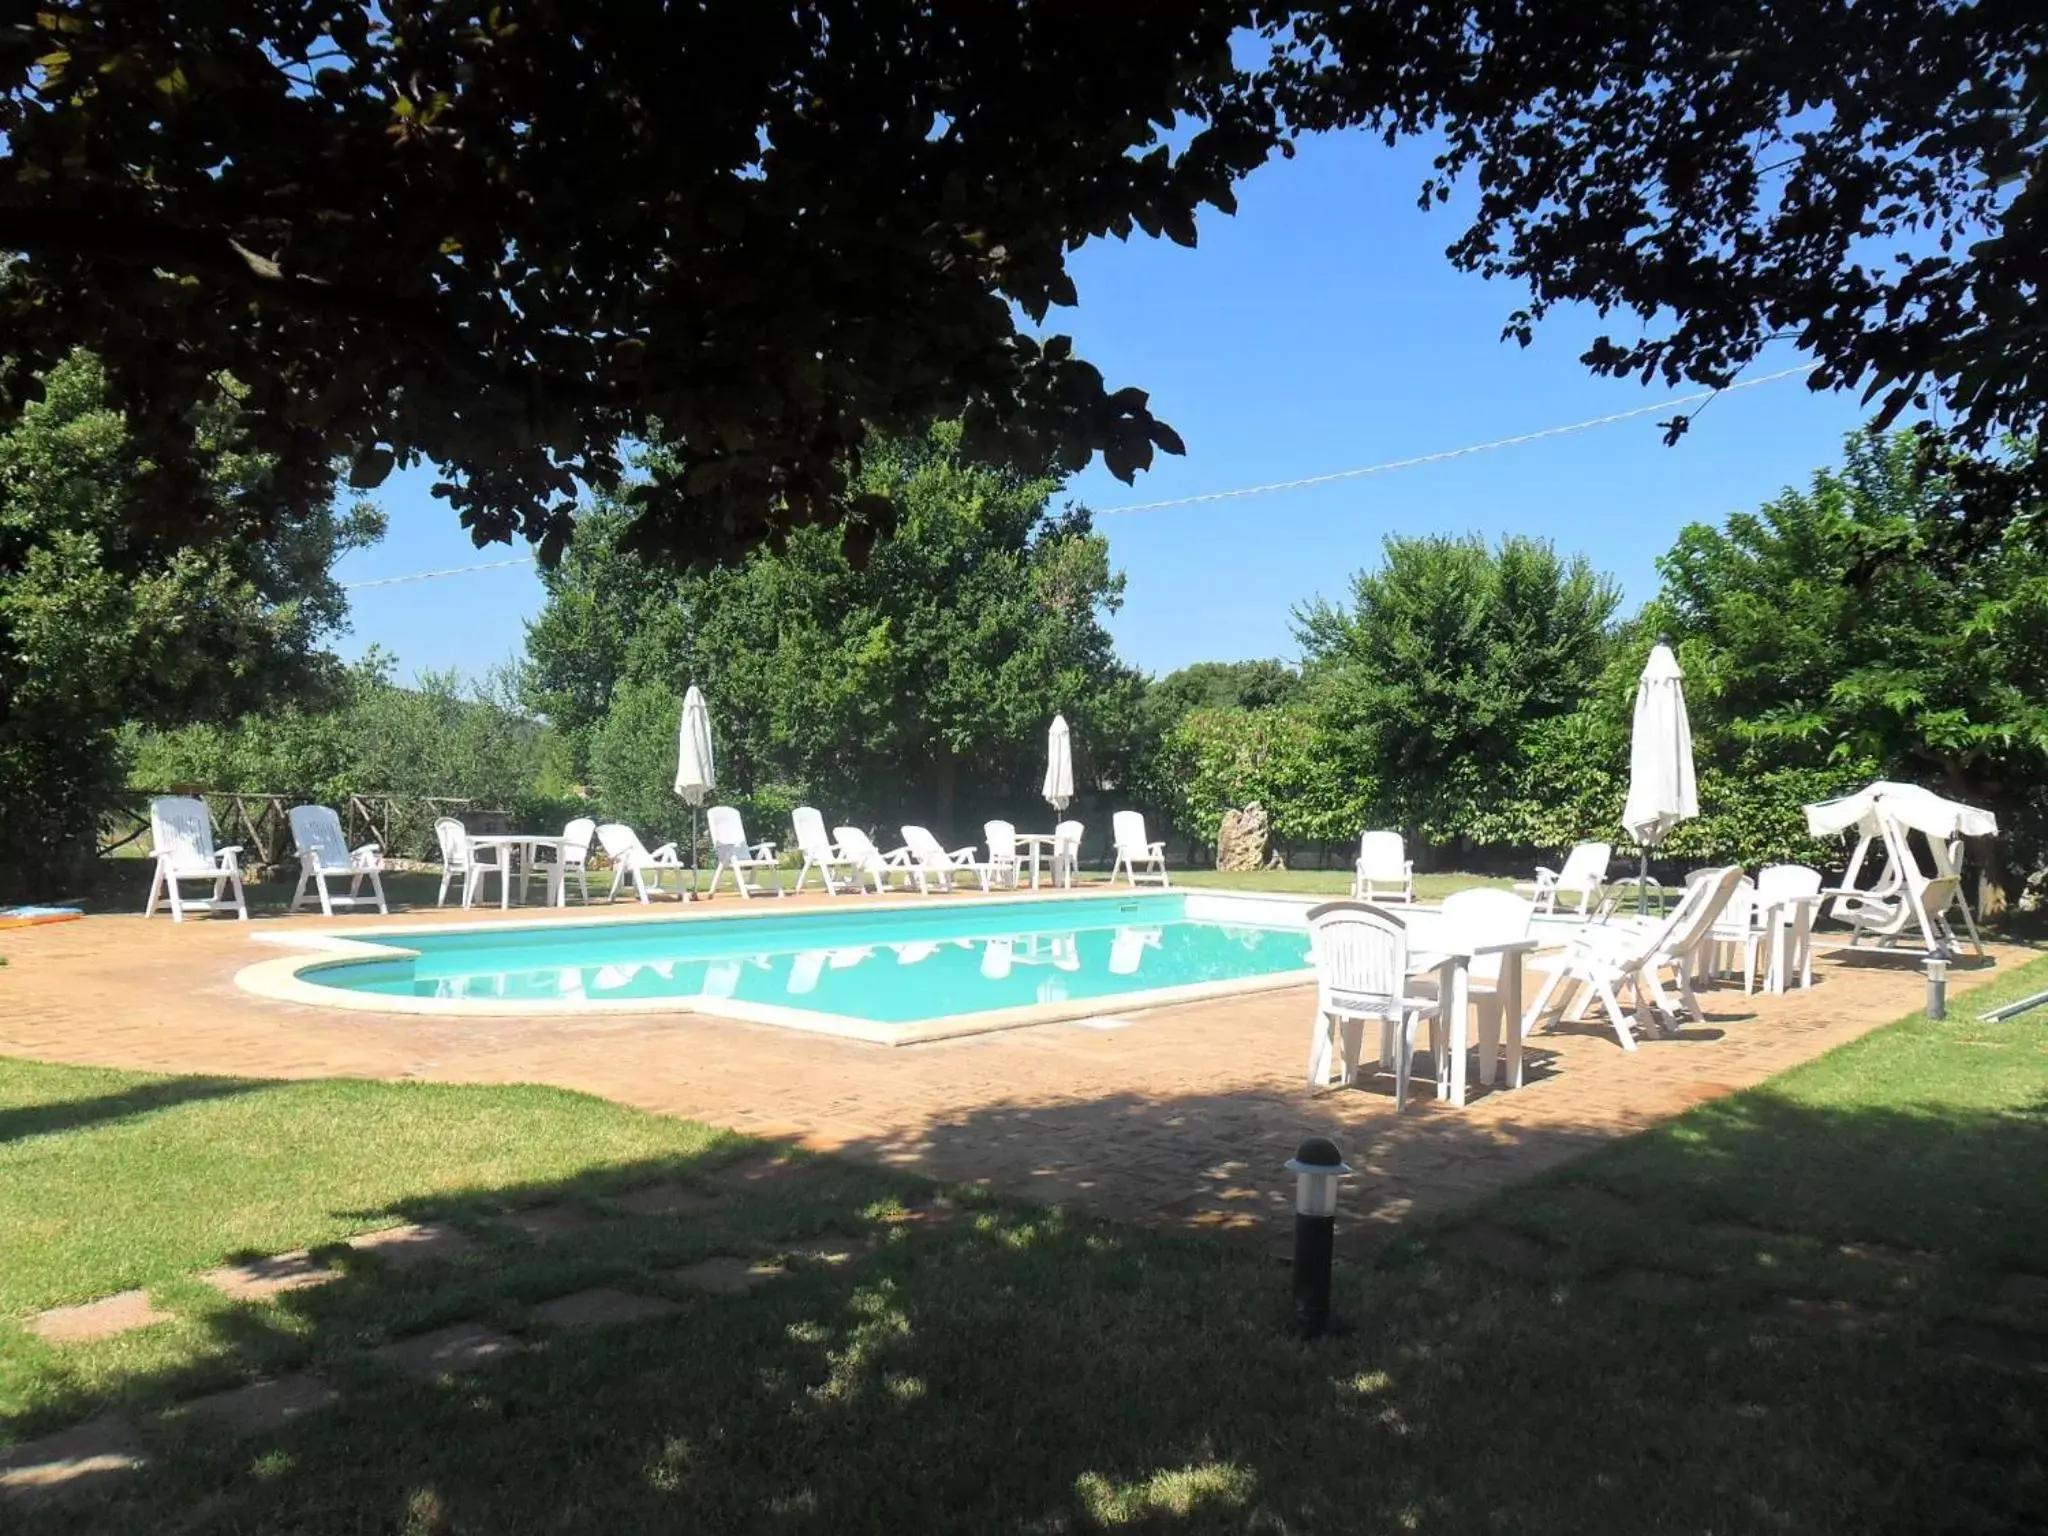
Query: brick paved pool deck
{"points": [[1181, 1119]]}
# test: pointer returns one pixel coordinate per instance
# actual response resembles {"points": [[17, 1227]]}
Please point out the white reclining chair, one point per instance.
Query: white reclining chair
{"points": [[931, 863], [1001, 837], [866, 860], [1138, 856], [820, 852], [730, 847], [1603, 959], [630, 860], [182, 834], [1384, 870], [324, 854], [1583, 878]]}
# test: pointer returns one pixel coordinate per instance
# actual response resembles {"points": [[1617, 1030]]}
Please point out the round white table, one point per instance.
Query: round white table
{"points": [[527, 845]]}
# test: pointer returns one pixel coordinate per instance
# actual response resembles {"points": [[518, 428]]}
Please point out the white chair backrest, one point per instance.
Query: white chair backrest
{"points": [[858, 846], [1776, 882], [811, 837], [1361, 958], [1001, 837], [181, 831], [1739, 911], [621, 844], [1706, 894], [1586, 863], [728, 832], [1128, 830], [1488, 915], [1381, 856], [576, 841], [317, 831], [923, 846], [453, 837], [1066, 839]]}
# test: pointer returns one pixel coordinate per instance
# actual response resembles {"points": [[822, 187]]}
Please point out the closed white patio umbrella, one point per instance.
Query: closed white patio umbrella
{"points": [[695, 775], [1059, 765], [1661, 788]]}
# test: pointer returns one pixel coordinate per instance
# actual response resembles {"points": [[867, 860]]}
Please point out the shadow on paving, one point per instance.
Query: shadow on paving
{"points": [[970, 1365]]}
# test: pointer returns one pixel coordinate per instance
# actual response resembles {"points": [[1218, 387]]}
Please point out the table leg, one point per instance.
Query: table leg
{"points": [[505, 852], [1454, 1024], [1511, 1013]]}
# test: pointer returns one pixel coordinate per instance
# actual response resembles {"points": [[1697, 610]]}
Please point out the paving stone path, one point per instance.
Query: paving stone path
{"points": [[86, 1455]]}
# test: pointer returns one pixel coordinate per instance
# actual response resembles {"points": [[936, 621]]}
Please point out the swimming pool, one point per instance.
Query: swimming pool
{"points": [[889, 972]]}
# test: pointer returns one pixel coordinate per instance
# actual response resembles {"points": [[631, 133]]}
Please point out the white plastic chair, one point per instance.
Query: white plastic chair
{"points": [[1361, 961], [1001, 837], [1066, 853], [1777, 887], [1136, 855], [1603, 958], [867, 861], [1584, 876], [1484, 915], [1383, 861], [571, 858], [182, 835], [932, 863], [630, 860], [324, 854], [1740, 929], [730, 846], [473, 866], [819, 851], [1127, 948]]}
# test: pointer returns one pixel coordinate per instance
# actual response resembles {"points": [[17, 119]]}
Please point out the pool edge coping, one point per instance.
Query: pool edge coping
{"points": [[279, 979]]}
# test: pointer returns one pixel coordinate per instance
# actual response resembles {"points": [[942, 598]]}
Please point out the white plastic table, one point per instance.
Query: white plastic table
{"points": [[527, 845], [1791, 927], [1442, 949], [1037, 842]]}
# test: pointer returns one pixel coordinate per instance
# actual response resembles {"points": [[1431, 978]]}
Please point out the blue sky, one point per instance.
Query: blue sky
{"points": [[1319, 330]]}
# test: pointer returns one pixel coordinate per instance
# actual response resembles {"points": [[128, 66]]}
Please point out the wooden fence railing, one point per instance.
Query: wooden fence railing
{"points": [[403, 825]]}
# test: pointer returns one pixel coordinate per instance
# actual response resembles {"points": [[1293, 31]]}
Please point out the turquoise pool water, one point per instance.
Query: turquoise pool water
{"points": [[886, 966]]}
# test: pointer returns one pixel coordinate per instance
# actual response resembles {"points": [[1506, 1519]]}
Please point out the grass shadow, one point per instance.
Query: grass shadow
{"points": [[19, 1121]]}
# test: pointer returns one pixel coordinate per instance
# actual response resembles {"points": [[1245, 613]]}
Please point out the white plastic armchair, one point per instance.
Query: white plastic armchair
{"points": [[1001, 837], [182, 834], [631, 860], [1066, 853], [1361, 960], [1139, 857], [821, 852], [462, 861], [932, 863], [324, 855], [571, 858], [1383, 862], [1604, 959], [1583, 878], [730, 847]]}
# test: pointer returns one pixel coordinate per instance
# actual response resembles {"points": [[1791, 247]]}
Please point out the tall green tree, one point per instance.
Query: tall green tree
{"points": [[1799, 652], [103, 621], [915, 686], [1447, 654], [509, 238]]}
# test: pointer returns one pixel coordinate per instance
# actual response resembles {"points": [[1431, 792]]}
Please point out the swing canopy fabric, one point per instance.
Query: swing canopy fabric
{"points": [[1907, 805]]}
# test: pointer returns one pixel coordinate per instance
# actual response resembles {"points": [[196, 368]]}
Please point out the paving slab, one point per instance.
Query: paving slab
{"points": [[546, 1223], [600, 1307], [415, 1243], [71, 1461], [729, 1275], [449, 1351], [261, 1279], [265, 1405], [665, 1200], [94, 1320]]}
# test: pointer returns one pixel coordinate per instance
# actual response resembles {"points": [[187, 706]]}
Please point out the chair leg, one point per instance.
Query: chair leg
{"points": [[1404, 1061], [1622, 1029], [447, 875], [326, 896], [377, 887], [177, 899], [234, 882], [1551, 983]]}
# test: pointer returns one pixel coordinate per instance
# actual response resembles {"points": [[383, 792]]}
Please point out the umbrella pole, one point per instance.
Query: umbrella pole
{"points": [[1643, 885], [693, 850]]}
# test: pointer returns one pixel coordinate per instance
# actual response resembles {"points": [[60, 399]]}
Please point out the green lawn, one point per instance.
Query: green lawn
{"points": [[1671, 1335]]}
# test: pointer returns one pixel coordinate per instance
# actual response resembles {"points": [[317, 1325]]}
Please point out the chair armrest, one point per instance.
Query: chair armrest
{"points": [[367, 848], [1155, 850], [900, 858], [1545, 876], [224, 856], [666, 850], [963, 855], [764, 850], [1408, 869]]}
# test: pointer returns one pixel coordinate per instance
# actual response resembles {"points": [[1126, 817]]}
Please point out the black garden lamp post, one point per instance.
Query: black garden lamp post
{"points": [[1316, 1166]]}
